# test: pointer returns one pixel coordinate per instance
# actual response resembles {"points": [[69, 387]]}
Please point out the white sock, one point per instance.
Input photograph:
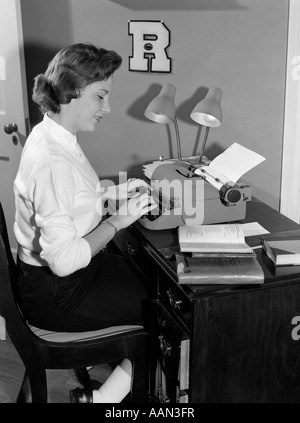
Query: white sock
{"points": [[115, 388]]}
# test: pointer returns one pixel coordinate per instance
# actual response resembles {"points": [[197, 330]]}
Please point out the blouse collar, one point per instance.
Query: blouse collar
{"points": [[61, 135]]}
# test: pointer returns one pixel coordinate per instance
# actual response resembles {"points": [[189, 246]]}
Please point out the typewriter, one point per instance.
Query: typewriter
{"points": [[187, 194]]}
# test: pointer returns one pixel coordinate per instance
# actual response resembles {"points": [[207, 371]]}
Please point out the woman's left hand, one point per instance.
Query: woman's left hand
{"points": [[127, 189], [133, 186]]}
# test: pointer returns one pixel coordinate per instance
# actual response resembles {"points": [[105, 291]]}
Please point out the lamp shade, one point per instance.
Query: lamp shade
{"points": [[162, 108], [208, 112]]}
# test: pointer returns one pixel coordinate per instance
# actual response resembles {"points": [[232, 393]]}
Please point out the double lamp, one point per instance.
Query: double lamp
{"points": [[207, 112]]}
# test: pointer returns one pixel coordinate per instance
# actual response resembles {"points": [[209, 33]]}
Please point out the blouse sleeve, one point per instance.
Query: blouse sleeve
{"points": [[53, 198]]}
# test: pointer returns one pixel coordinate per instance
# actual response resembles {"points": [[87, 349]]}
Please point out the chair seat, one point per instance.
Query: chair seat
{"points": [[80, 336]]}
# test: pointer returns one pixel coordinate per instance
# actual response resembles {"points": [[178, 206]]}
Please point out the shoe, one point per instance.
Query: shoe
{"points": [[81, 396], [82, 376]]}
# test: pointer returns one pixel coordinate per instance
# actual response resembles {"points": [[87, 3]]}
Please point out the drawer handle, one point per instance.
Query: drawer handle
{"points": [[164, 346], [132, 251], [173, 300]]}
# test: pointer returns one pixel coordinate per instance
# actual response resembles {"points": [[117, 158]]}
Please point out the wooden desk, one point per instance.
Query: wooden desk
{"points": [[240, 343]]}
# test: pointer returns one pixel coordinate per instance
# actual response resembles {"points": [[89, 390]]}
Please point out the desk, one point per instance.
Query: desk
{"points": [[220, 344]]}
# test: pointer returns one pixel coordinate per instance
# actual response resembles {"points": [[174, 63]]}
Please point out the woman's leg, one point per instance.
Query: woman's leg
{"points": [[115, 296], [114, 389], [106, 293], [117, 386]]}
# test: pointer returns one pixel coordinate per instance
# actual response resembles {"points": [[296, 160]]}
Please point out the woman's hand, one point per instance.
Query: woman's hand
{"points": [[133, 209], [134, 186], [125, 190]]}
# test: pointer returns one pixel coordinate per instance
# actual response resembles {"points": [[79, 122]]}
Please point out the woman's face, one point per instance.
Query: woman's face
{"points": [[91, 105]]}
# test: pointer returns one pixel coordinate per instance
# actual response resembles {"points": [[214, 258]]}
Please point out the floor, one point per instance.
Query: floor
{"points": [[60, 382]]}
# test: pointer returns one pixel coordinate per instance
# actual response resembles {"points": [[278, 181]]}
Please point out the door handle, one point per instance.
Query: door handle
{"points": [[9, 128]]}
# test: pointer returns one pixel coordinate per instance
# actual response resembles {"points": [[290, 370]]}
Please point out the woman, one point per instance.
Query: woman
{"points": [[66, 283]]}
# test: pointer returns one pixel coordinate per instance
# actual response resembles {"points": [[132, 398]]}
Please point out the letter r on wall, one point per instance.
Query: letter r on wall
{"points": [[150, 40]]}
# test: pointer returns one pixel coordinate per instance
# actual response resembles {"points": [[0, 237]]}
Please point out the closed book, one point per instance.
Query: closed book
{"points": [[218, 270], [283, 250]]}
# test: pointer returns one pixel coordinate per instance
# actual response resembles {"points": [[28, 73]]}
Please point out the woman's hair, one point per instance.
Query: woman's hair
{"points": [[72, 69]]}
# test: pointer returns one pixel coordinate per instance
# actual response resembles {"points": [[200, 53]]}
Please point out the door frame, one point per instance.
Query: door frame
{"points": [[290, 177]]}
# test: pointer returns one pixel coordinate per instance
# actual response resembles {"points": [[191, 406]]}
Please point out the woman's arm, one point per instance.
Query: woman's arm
{"points": [[127, 214]]}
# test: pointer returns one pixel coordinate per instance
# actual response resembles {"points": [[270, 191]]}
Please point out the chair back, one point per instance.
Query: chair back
{"points": [[16, 326], [5, 240]]}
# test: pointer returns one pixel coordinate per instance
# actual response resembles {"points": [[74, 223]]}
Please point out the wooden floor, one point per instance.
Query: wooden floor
{"points": [[59, 381]]}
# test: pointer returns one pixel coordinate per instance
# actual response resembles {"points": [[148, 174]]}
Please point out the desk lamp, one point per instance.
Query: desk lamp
{"points": [[208, 113], [162, 110]]}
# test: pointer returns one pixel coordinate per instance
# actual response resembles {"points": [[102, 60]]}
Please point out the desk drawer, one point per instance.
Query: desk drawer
{"points": [[171, 347], [173, 297], [133, 249]]}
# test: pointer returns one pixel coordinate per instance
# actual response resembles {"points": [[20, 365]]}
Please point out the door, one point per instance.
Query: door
{"points": [[290, 179], [14, 117]]}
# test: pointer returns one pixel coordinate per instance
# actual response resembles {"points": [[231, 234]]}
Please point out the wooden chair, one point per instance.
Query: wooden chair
{"points": [[40, 349]]}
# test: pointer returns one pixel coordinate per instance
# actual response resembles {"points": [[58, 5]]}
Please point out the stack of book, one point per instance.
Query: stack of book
{"points": [[216, 254], [283, 248]]}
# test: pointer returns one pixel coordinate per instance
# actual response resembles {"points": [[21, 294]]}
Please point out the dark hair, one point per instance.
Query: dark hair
{"points": [[73, 68]]}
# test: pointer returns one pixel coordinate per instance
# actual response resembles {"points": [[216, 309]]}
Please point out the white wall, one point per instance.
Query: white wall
{"points": [[237, 45]]}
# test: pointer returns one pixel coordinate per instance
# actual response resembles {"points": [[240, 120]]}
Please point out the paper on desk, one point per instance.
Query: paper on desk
{"points": [[151, 167], [236, 161], [254, 229]]}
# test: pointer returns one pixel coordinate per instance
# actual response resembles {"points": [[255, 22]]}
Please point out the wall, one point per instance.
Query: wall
{"points": [[237, 45]]}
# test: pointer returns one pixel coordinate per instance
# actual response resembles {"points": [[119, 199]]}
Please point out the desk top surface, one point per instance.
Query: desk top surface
{"points": [[164, 244]]}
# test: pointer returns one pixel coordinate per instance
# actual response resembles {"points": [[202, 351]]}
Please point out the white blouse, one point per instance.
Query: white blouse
{"points": [[55, 197]]}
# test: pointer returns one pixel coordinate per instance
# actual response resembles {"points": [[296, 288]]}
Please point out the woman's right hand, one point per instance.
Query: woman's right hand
{"points": [[132, 210]]}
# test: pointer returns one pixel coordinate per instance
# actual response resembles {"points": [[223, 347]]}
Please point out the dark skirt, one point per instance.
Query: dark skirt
{"points": [[105, 293]]}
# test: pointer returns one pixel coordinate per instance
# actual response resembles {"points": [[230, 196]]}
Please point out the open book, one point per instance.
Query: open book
{"points": [[213, 239]]}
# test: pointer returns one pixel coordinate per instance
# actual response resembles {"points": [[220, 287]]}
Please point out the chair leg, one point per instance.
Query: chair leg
{"points": [[24, 395], [139, 383], [139, 390], [34, 383]]}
